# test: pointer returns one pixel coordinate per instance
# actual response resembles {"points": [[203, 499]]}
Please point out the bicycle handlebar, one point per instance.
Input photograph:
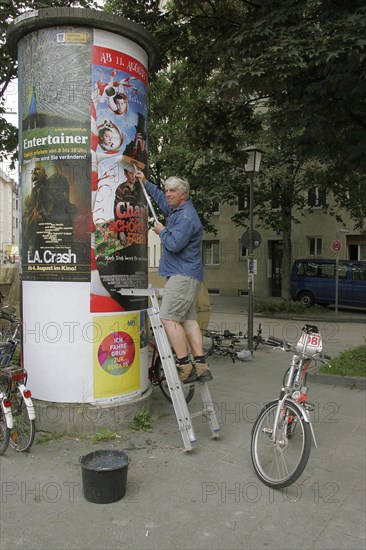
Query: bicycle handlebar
{"points": [[286, 346]]}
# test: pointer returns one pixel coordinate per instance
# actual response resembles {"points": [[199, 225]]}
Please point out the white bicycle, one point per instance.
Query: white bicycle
{"points": [[19, 416], [282, 432]]}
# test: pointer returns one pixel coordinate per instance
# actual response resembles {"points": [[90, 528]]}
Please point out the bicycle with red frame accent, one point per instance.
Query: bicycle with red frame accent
{"points": [[13, 380], [283, 432], [156, 371], [157, 376]]}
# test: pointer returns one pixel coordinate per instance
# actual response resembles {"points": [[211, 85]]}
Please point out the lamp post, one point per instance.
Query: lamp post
{"points": [[251, 167]]}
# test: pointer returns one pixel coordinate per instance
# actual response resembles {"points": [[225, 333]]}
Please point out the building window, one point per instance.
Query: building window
{"points": [[243, 251], [214, 291], [356, 251], [315, 246], [317, 197], [210, 252], [243, 199], [216, 208]]}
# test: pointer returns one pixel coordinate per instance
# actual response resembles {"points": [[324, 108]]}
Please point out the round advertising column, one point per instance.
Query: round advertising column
{"points": [[82, 134]]}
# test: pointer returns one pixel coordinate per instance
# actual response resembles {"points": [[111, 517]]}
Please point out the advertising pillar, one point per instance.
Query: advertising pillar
{"points": [[83, 78]]}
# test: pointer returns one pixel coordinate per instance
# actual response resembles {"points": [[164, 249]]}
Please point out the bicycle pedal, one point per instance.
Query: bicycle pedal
{"points": [[308, 406]]}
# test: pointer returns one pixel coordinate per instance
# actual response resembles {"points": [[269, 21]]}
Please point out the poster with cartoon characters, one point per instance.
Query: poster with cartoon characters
{"points": [[119, 210]]}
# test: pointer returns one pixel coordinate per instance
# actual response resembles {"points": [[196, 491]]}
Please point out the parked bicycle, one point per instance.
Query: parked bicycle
{"points": [[6, 417], [259, 339], [156, 370], [233, 344], [282, 432], [13, 379]]}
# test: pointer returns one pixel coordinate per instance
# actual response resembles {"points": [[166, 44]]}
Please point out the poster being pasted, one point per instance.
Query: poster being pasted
{"points": [[119, 148]]}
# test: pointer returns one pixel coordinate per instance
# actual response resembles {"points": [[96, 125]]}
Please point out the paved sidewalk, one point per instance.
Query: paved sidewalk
{"points": [[209, 498]]}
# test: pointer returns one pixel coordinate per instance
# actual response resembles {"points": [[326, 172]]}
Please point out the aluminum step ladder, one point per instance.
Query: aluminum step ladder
{"points": [[184, 418]]}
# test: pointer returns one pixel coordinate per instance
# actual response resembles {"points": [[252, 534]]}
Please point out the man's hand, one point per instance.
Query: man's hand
{"points": [[158, 228], [141, 176]]}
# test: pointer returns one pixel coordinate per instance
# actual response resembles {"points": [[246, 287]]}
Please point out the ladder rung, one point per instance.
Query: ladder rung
{"points": [[184, 418]]}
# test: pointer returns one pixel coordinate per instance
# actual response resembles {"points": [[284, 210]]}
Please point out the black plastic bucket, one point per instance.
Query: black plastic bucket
{"points": [[104, 475]]}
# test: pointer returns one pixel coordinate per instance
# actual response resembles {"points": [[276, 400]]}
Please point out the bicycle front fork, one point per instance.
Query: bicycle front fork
{"points": [[281, 410]]}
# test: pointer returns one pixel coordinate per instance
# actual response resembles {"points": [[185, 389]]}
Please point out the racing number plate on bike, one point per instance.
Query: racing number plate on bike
{"points": [[310, 343]]}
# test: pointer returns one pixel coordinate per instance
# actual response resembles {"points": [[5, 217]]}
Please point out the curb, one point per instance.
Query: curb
{"points": [[353, 382], [327, 318]]}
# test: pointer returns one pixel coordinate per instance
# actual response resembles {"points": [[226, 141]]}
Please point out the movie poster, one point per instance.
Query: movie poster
{"points": [[119, 149], [55, 154]]}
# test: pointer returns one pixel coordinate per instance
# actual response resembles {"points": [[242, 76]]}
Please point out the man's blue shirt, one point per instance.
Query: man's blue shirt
{"points": [[181, 238]]}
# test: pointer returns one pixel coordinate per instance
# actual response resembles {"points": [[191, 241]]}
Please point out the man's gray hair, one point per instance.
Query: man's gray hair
{"points": [[176, 182]]}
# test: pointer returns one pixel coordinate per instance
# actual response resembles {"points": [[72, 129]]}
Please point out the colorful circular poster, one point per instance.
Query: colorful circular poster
{"points": [[116, 353]]}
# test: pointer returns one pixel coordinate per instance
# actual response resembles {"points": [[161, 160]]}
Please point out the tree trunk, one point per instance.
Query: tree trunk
{"points": [[287, 254]]}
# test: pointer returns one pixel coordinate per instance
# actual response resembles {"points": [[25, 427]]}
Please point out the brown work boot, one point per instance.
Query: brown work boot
{"points": [[203, 372], [186, 373]]}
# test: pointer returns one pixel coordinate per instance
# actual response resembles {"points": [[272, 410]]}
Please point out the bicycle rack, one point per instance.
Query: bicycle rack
{"points": [[184, 418]]}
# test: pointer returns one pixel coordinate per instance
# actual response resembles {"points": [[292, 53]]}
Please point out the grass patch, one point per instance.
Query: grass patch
{"points": [[280, 306], [141, 420], [351, 362], [104, 435], [46, 437]]}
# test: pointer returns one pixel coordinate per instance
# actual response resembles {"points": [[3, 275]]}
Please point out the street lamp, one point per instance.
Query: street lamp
{"points": [[251, 167]]}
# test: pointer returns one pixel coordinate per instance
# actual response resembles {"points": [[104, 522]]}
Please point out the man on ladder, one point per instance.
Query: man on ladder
{"points": [[181, 264]]}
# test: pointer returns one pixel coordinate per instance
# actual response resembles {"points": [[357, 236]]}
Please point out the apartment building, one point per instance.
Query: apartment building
{"points": [[9, 219]]}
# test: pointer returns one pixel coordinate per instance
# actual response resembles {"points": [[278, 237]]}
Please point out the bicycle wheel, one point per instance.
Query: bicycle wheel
{"points": [[4, 432], [23, 432], [208, 342], [188, 389], [280, 462]]}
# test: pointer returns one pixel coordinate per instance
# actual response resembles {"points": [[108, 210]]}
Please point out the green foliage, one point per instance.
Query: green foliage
{"points": [[46, 437], [227, 64], [351, 362], [104, 435], [141, 420], [280, 306]]}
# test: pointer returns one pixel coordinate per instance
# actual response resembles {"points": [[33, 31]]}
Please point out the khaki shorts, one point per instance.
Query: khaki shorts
{"points": [[179, 299]]}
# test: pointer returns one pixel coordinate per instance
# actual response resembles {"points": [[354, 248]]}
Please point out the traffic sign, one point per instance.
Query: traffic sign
{"points": [[257, 239], [336, 246]]}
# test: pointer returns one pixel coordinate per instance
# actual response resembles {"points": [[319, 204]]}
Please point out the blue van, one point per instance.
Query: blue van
{"points": [[314, 282]]}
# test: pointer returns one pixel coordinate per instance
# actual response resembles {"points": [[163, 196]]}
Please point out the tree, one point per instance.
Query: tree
{"points": [[285, 74], [305, 57]]}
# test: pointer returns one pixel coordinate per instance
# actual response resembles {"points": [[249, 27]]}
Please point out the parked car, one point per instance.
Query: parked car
{"points": [[314, 282]]}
